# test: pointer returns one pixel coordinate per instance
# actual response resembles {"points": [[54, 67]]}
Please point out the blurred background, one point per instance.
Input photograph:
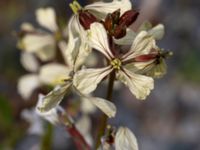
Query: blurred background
{"points": [[168, 120]]}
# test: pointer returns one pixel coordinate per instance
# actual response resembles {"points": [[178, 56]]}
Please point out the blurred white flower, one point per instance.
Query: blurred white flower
{"points": [[125, 140], [86, 80], [40, 42]]}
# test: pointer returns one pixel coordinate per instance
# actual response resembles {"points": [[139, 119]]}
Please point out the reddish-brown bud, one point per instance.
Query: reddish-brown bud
{"points": [[86, 19], [119, 32], [128, 17], [115, 16], [108, 24]]}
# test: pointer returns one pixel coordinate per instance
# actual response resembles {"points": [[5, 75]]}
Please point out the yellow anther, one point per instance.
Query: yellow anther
{"points": [[75, 6], [116, 63]]}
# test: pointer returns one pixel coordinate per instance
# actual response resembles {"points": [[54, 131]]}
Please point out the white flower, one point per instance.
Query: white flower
{"points": [[86, 80], [125, 140], [40, 42]]}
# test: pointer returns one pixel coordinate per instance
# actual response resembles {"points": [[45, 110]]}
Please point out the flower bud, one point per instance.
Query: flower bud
{"points": [[86, 19], [145, 58], [128, 17], [119, 31]]}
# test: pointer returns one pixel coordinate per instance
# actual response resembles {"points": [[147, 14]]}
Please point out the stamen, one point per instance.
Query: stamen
{"points": [[116, 63], [75, 6]]}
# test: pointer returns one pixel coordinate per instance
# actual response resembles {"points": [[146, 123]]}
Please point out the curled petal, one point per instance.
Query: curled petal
{"points": [[99, 40], [139, 85], [101, 9], [142, 44], [54, 73], [52, 99], [46, 17], [125, 139], [86, 80], [50, 115], [27, 84]]}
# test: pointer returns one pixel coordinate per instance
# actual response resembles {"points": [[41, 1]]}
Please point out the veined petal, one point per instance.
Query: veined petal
{"points": [[101, 9], [46, 17], [128, 39], [27, 84], [35, 42], [54, 73], [99, 40], [139, 85], [52, 99], [86, 80], [29, 62], [125, 140], [157, 32], [52, 115], [142, 44]]}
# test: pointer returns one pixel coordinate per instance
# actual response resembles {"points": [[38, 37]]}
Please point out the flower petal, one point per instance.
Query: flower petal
{"points": [[99, 40], [139, 85], [47, 53], [86, 80], [27, 84], [46, 17], [52, 99], [142, 44], [157, 32], [101, 9], [35, 42], [54, 73], [29, 62], [51, 115], [125, 140]]}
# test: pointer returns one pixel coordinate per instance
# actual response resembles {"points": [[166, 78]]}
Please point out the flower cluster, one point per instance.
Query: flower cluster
{"points": [[132, 58]]}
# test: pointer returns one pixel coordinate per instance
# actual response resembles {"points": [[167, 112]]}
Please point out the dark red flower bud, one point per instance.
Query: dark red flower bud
{"points": [[128, 17], [119, 32], [86, 19], [108, 24], [115, 16]]}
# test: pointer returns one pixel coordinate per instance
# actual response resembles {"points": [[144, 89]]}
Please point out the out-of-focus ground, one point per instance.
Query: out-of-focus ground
{"points": [[168, 120]]}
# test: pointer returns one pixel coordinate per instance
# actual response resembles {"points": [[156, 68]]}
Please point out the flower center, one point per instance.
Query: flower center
{"points": [[116, 63], [75, 6]]}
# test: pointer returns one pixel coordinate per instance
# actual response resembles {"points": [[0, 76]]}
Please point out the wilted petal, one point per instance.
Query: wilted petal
{"points": [[157, 32], [142, 44], [35, 42], [86, 80], [51, 115], [46, 17], [52, 99], [101, 9], [27, 84], [125, 140], [104, 105], [99, 40], [29, 62], [139, 85], [128, 39], [54, 73]]}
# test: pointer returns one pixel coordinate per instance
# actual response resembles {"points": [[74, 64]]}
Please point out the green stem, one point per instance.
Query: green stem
{"points": [[47, 138], [104, 118]]}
